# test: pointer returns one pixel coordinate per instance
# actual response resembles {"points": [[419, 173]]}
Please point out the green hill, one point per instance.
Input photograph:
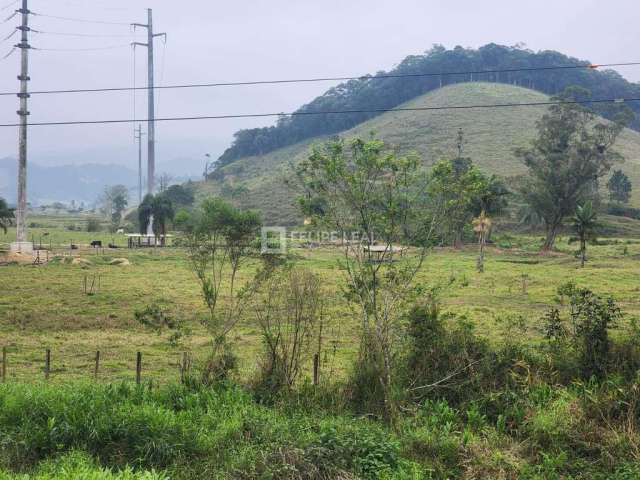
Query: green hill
{"points": [[491, 136]]}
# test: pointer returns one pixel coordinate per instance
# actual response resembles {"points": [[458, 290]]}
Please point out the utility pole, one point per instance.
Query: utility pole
{"points": [[460, 142], [138, 136], [151, 140], [22, 244]]}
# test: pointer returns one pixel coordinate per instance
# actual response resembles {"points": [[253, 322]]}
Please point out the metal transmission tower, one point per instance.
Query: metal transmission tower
{"points": [[138, 136], [151, 140], [21, 244]]}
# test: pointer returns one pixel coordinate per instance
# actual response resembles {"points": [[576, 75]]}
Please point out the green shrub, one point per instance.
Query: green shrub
{"points": [[367, 452], [114, 423], [93, 225], [78, 465]]}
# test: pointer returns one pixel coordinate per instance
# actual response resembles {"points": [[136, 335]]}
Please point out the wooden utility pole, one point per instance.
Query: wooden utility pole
{"points": [[151, 125], [21, 244], [138, 137]]}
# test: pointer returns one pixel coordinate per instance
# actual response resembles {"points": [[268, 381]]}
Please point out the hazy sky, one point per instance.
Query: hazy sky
{"points": [[211, 41]]}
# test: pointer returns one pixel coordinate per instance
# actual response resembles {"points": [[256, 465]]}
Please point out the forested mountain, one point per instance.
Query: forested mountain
{"points": [[263, 182], [381, 93]]}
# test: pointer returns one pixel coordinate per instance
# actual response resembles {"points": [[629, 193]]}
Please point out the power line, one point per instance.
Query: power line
{"points": [[10, 17], [8, 54], [9, 36], [84, 35], [333, 112], [80, 20], [8, 5], [331, 79], [89, 49]]}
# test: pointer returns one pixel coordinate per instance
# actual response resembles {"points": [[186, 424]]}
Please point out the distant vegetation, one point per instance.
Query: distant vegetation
{"points": [[386, 93], [6, 215]]}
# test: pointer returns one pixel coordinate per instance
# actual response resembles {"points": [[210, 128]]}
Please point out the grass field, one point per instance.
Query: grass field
{"points": [[46, 307], [518, 418]]}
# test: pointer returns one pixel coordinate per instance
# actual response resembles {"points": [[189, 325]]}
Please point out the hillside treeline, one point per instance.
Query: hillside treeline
{"points": [[375, 93]]}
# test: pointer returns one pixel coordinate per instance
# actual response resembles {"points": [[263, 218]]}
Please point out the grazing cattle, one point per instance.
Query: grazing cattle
{"points": [[111, 245], [96, 244], [74, 246]]}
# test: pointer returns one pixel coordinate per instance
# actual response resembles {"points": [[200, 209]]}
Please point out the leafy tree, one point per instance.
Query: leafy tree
{"points": [[592, 317], [220, 239], [374, 199], [181, 196], [587, 333], [6, 215], [458, 187], [119, 204], [568, 156], [113, 201], [585, 224], [619, 187], [493, 199]]}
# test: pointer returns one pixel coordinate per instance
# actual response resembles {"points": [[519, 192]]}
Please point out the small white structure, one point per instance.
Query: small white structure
{"points": [[22, 247], [383, 253], [140, 240]]}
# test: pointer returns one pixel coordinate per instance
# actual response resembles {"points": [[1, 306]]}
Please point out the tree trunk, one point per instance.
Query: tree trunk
{"points": [[552, 233], [457, 240], [583, 251], [480, 264]]}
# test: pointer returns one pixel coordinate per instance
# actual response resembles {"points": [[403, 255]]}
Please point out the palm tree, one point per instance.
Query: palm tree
{"points": [[585, 224], [162, 213], [6, 215], [161, 209], [482, 226], [145, 211]]}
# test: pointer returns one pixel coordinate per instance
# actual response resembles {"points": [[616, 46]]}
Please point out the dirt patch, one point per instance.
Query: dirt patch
{"points": [[80, 261], [8, 258], [123, 262]]}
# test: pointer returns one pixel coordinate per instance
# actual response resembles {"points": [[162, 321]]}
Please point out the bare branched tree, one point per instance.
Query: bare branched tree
{"points": [[289, 312]]}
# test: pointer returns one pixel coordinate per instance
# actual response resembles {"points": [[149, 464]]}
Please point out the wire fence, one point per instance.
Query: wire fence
{"points": [[104, 366], [31, 365]]}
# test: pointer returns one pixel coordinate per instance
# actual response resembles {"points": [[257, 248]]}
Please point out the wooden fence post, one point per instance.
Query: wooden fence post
{"points": [[47, 364], [183, 367], [316, 369], [97, 366], [138, 367], [4, 364]]}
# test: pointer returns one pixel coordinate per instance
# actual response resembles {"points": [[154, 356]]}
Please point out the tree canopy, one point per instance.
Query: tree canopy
{"points": [[619, 187], [463, 192], [566, 160]]}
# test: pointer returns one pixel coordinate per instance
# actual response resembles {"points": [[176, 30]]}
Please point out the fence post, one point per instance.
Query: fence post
{"points": [[183, 368], [4, 364], [47, 364], [316, 369], [97, 367], [138, 367]]}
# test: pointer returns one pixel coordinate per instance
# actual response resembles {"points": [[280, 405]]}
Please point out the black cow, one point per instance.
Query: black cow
{"points": [[96, 243]]}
